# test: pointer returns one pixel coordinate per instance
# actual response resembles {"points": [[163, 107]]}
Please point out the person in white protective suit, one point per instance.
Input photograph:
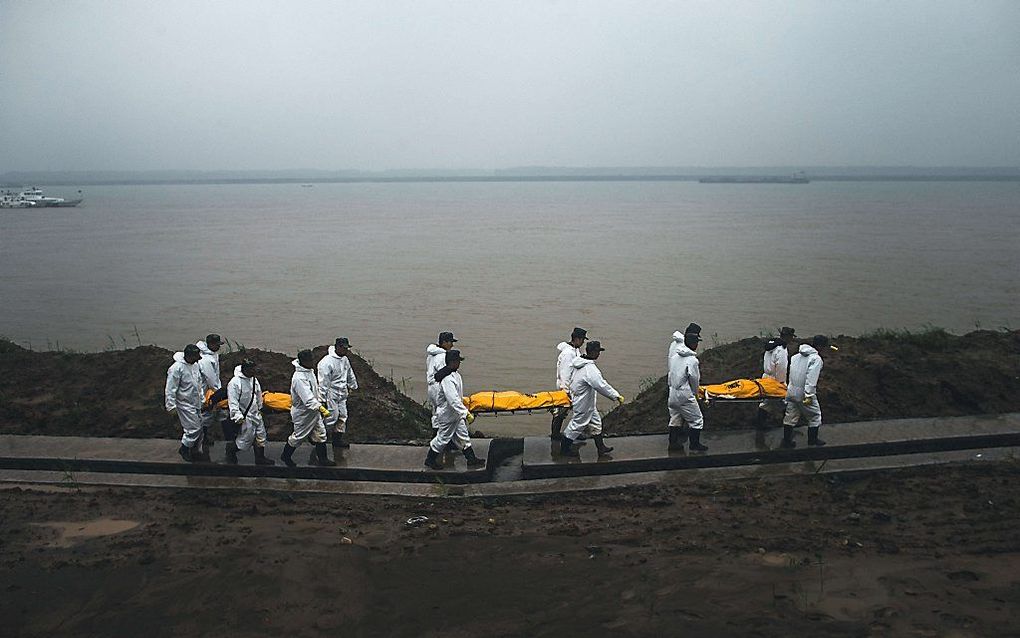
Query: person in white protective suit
{"points": [[451, 413], [586, 383], [244, 400], [684, 378], [568, 351], [435, 360], [336, 380], [802, 390], [184, 397], [306, 412], [209, 365], [775, 364]]}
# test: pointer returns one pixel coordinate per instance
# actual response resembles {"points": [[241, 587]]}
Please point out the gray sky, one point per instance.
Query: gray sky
{"points": [[374, 85]]}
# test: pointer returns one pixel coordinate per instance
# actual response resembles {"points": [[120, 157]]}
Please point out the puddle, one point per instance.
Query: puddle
{"points": [[74, 532]]}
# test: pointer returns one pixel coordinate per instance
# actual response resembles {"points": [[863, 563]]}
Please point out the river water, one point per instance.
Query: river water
{"points": [[509, 267]]}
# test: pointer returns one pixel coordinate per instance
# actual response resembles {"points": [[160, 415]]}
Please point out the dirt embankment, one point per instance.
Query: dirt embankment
{"points": [[881, 376], [120, 393]]}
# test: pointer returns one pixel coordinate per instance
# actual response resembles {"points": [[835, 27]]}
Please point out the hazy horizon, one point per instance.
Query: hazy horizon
{"points": [[493, 86]]}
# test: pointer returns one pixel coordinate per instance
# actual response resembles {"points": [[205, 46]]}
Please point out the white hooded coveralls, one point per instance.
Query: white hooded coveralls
{"points": [[684, 379], [805, 368], [209, 365], [184, 393], [774, 365], [451, 414], [304, 407], [435, 358], [244, 399], [586, 383], [678, 340], [336, 380]]}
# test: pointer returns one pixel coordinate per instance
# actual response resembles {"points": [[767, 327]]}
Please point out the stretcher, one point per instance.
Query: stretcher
{"points": [[743, 390], [492, 402]]}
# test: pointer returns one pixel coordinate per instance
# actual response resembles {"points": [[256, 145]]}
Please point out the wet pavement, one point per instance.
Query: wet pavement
{"points": [[750, 447], [514, 460]]}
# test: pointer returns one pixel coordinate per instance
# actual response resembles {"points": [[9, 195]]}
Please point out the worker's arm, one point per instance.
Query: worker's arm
{"points": [[352, 381], [694, 376], [814, 370], [173, 382], [306, 396], [234, 400], [602, 386], [326, 373], [453, 398]]}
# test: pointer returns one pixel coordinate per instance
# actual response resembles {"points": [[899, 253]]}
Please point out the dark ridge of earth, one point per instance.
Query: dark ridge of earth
{"points": [[881, 376], [885, 375], [120, 394]]}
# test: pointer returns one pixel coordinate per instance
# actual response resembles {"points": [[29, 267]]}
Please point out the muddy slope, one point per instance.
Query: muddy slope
{"points": [[871, 554], [880, 376], [120, 393]]}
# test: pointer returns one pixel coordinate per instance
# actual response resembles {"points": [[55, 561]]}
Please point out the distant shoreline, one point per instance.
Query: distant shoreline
{"points": [[417, 179]]}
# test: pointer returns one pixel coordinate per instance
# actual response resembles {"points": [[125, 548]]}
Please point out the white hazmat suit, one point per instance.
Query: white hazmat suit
{"points": [[244, 399], [451, 414], [435, 358], [304, 407], [678, 340], [184, 393], [336, 380], [684, 379], [805, 368], [209, 365], [586, 383]]}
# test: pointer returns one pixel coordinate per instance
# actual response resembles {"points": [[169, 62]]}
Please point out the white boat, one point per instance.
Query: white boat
{"points": [[34, 198]]}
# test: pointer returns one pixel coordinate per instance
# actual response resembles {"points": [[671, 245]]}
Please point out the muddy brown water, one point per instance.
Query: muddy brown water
{"points": [[509, 267]]}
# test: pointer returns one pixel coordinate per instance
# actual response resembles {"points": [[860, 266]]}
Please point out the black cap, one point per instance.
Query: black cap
{"points": [[693, 332], [445, 336], [342, 341], [249, 364], [192, 349], [213, 339], [453, 355], [579, 333], [819, 341], [305, 355], [593, 346], [787, 331]]}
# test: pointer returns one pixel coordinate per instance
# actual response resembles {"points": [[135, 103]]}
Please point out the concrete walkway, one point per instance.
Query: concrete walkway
{"points": [[515, 460]]}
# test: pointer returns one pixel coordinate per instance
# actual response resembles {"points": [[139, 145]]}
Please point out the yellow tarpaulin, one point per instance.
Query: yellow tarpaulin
{"points": [[764, 388], [510, 401]]}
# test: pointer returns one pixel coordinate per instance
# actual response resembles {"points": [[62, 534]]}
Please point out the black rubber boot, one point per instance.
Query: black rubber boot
{"points": [[696, 445], [600, 444], [557, 425], [761, 419], [676, 444], [339, 440], [812, 437], [288, 452], [185, 453], [788, 441], [567, 448], [472, 460], [205, 434], [432, 460], [260, 457], [231, 450], [322, 457]]}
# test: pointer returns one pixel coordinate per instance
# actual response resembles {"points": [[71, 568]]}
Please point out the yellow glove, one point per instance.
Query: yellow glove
{"points": [[809, 399], [620, 399], [239, 420], [470, 418], [323, 411]]}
